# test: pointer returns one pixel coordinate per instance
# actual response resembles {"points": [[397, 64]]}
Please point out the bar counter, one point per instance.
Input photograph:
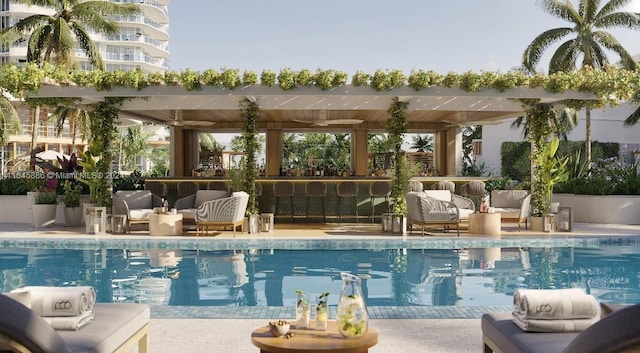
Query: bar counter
{"points": [[267, 203]]}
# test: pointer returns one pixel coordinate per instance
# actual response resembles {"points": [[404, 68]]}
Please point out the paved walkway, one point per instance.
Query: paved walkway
{"points": [[396, 335]]}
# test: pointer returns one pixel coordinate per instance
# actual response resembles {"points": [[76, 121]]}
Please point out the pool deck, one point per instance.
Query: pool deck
{"points": [[406, 335]]}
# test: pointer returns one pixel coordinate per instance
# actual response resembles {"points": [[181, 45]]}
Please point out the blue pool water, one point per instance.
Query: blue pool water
{"points": [[266, 273]]}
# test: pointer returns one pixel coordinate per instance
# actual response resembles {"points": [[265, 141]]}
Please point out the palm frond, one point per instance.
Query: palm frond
{"points": [[565, 57], [618, 20], [610, 7], [534, 51], [587, 10], [89, 47], [610, 42], [633, 118], [561, 9], [37, 42]]}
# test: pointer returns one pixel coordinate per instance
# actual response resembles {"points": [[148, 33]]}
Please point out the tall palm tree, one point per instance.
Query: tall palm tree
{"points": [[589, 41], [422, 143], [52, 38], [78, 122], [9, 120]]}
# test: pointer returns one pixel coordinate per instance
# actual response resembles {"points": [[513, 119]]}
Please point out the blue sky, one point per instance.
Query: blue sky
{"points": [[351, 35]]}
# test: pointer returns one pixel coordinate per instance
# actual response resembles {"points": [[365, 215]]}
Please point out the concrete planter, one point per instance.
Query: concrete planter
{"points": [[605, 209]]}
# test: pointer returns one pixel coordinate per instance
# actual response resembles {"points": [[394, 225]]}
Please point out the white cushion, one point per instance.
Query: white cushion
{"points": [[188, 213], [464, 213], [140, 213], [208, 195], [442, 195]]}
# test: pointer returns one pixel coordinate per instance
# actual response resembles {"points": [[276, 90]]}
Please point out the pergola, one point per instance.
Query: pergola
{"points": [[356, 110]]}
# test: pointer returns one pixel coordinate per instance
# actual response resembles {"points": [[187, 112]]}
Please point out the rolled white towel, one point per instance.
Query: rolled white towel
{"points": [[563, 325], [70, 323], [60, 301], [554, 304]]}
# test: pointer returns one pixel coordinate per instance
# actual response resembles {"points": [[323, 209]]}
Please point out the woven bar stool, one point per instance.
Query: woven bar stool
{"points": [[475, 191], [187, 188], [445, 185], [283, 189], [157, 188], [379, 189], [346, 189], [316, 189], [219, 185]]}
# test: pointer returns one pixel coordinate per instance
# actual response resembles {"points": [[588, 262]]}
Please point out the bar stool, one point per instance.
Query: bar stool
{"points": [[157, 188], [475, 190], [445, 185], [379, 189], [283, 189], [316, 189], [187, 188], [218, 185], [347, 189]]}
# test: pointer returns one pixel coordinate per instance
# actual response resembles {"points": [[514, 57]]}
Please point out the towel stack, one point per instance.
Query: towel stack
{"points": [[64, 308], [553, 310]]}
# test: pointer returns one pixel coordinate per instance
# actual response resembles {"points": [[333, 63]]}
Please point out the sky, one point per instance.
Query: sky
{"points": [[366, 35]]}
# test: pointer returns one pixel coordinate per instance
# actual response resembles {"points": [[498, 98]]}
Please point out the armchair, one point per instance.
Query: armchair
{"points": [[227, 211], [513, 205], [188, 205], [465, 204], [137, 205], [424, 211]]}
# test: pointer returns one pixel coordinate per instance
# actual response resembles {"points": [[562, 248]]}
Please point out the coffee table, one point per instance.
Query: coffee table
{"points": [[485, 224], [309, 340], [165, 224]]}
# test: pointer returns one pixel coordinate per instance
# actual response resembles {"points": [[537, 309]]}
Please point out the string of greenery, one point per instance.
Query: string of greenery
{"points": [[250, 113], [396, 127], [610, 85]]}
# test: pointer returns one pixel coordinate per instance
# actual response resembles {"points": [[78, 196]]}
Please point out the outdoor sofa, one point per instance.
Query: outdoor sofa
{"points": [[137, 205], [512, 205]]}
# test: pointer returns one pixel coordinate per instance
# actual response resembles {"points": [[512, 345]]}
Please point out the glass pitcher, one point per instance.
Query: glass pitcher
{"points": [[352, 313]]}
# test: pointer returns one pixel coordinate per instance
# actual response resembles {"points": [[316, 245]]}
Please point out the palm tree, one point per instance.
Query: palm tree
{"points": [[9, 120], [590, 41], [52, 38], [78, 122], [422, 143]]}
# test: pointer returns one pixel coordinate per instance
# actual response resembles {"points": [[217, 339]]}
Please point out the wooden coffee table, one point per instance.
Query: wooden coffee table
{"points": [[310, 340]]}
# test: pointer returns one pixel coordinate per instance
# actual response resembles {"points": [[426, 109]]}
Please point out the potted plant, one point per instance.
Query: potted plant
{"points": [[71, 199], [549, 170], [44, 210]]}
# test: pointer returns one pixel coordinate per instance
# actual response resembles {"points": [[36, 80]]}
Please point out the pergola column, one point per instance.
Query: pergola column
{"points": [[183, 150], [274, 152], [359, 152], [448, 151]]}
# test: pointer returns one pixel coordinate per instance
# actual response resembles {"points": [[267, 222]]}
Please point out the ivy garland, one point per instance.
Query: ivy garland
{"points": [[610, 85], [250, 114], [396, 127]]}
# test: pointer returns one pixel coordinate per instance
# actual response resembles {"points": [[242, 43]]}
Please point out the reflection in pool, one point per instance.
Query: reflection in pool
{"points": [[269, 277]]}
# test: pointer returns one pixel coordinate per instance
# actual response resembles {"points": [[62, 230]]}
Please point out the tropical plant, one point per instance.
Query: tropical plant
{"points": [[71, 195], [46, 197], [590, 41], [132, 144], [78, 122], [549, 170], [52, 38], [208, 143]]}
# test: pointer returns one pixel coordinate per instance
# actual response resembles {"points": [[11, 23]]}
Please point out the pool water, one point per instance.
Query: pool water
{"points": [[391, 277]]}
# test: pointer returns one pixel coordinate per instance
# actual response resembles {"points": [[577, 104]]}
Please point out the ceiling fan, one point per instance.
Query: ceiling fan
{"points": [[323, 121]]}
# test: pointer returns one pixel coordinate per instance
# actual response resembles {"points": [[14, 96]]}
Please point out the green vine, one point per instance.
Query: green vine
{"points": [[250, 113], [396, 127]]}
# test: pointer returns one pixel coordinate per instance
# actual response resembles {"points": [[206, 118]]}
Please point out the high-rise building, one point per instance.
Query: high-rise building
{"points": [[143, 42]]}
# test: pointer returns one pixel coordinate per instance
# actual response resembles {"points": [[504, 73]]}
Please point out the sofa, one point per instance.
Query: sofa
{"points": [[616, 333], [226, 211], [137, 205], [513, 205], [423, 210]]}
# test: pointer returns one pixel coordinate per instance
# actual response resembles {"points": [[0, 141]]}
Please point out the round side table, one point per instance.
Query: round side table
{"points": [[485, 224], [309, 340]]}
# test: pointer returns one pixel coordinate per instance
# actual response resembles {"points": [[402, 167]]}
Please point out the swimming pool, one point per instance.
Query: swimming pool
{"points": [[400, 277]]}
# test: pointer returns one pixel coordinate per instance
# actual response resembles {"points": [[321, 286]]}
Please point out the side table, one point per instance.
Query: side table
{"points": [[485, 223], [165, 224], [308, 340]]}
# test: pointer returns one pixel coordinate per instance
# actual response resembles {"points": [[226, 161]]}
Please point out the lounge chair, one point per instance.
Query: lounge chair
{"points": [[425, 211], [617, 332], [116, 327], [189, 205]]}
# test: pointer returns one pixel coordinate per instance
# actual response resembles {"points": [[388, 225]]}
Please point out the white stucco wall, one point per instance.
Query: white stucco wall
{"points": [[606, 126]]}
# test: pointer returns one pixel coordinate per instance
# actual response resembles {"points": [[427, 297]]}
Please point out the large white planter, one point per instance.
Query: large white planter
{"points": [[609, 209], [44, 215], [73, 216]]}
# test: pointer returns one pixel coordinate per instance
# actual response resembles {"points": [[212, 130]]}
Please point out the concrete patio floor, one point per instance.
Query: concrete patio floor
{"points": [[398, 335]]}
